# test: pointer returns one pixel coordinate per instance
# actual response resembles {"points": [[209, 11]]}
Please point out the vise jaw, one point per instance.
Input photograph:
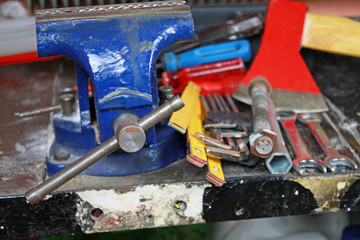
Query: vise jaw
{"points": [[115, 49]]}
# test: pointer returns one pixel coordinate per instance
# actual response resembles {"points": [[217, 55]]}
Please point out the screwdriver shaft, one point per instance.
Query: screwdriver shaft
{"points": [[38, 111]]}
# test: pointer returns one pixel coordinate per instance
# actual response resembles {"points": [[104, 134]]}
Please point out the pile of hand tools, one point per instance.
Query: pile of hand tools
{"points": [[218, 132], [278, 73]]}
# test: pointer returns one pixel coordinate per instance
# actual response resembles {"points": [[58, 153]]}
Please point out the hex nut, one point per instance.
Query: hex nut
{"points": [[263, 143]]}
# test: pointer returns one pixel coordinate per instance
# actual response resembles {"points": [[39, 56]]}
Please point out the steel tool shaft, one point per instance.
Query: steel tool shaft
{"points": [[279, 162], [67, 106], [260, 93], [37, 193], [263, 140], [38, 111]]}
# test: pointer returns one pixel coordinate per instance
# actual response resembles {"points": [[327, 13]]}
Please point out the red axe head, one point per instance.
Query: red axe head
{"points": [[280, 63]]}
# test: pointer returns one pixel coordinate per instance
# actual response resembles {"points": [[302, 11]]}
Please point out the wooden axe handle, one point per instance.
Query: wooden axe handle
{"points": [[338, 35]]}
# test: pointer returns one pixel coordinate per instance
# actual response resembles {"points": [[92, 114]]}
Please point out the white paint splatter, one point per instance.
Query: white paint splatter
{"points": [[19, 148], [157, 200], [341, 185]]}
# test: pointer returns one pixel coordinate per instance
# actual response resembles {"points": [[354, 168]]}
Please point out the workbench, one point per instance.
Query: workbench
{"points": [[175, 195]]}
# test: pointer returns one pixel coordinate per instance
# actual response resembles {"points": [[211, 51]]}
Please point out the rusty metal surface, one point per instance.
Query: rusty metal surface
{"points": [[23, 142]]}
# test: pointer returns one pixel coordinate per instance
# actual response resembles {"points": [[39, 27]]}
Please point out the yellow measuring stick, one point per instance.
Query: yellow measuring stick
{"points": [[189, 119], [215, 173], [197, 152], [197, 149], [180, 119]]}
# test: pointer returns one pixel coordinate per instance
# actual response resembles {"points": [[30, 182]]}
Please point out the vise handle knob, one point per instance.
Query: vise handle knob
{"points": [[37, 193]]}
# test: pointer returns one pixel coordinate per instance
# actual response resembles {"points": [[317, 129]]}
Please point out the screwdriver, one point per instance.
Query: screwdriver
{"points": [[222, 77], [207, 54], [234, 29]]}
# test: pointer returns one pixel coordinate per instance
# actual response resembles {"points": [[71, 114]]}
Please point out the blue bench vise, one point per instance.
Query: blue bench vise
{"points": [[115, 48]]}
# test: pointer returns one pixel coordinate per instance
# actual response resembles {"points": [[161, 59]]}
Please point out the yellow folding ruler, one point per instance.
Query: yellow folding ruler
{"points": [[189, 119], [196, 148], [180, 119], [215, 173]]}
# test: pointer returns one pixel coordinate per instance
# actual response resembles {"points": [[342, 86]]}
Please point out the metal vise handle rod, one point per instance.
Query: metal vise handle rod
{"points": [[37, 193]]}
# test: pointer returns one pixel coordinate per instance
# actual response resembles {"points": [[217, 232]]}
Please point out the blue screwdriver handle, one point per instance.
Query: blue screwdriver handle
{"points": [[207, 54]]}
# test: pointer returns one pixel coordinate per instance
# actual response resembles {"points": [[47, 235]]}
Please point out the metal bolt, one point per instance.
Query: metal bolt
{"points": [[68, 90], [67, 104], [264, 145], [263, 140], [165, 93], [61, 155]]}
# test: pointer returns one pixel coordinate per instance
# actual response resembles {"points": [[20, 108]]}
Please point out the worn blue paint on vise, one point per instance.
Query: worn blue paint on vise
{"points": [[118, 56]]}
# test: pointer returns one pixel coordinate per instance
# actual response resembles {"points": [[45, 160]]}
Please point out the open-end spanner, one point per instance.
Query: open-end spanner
{"points": [[333, 158], [303, 159]]}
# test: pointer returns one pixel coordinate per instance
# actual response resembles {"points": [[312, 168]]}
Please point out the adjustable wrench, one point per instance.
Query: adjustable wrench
{"points": [[333, 158], [303, 159]]}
